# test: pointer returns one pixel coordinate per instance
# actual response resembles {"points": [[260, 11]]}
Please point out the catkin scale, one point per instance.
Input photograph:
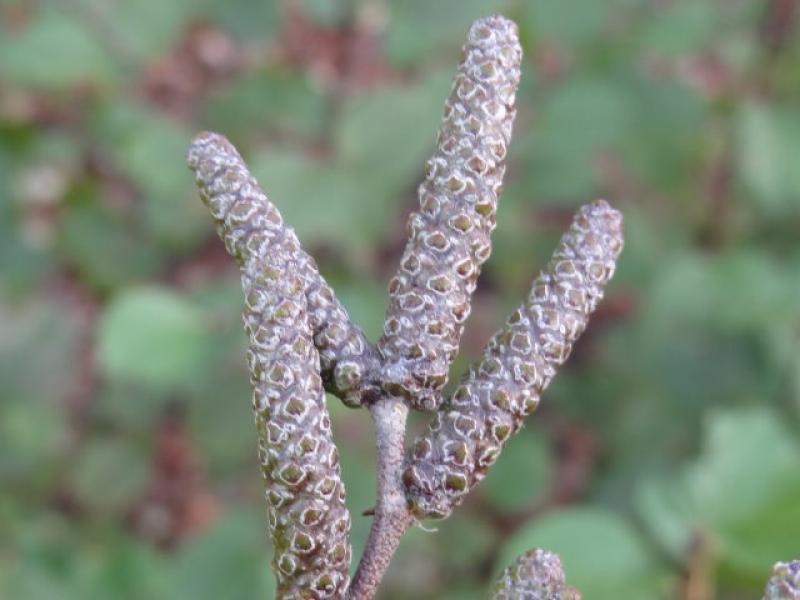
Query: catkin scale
{"points": [[308, 521], [449, 236], [490, 403], [535, 575], [245, 218], [785, 582]]}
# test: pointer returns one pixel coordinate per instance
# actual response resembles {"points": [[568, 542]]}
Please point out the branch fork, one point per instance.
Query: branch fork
{"points": [[303, 342]]}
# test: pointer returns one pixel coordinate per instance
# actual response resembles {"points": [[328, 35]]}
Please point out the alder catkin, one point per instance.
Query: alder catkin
{"points": [[785, 582], [449, 237], [536, 575], [490, 403], [308, 520], [242, 213]]}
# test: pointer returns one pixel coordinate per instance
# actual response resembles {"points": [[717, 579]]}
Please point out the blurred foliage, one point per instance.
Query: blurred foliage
{"points": [[127, 451]]}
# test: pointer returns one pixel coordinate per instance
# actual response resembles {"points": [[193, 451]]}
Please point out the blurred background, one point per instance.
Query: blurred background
{"points": [[664, 461]]}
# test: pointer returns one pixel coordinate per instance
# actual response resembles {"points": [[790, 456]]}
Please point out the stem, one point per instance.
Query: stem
{"points": [[392, 516]]}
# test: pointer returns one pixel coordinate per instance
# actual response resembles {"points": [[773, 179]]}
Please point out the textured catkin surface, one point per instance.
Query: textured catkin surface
{"points": [[536, 575], [308, 520], [245, 219], [449, 237], [785, 582], [491, 401]]}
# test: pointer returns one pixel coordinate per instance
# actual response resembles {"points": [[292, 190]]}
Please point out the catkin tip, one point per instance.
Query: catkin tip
{"points": [[785, 582], [537, 574]]}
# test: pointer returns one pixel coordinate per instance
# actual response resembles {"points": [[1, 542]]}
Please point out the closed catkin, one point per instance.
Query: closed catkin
{"points": [[785, 582], [536, 575], [489, 404], [308, 520], [449, 237], [245, 218]]}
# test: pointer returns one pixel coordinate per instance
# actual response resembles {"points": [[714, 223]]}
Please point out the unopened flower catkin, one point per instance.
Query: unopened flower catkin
{"points": [[490, 403], [308, 520], [785, 582], [449, 237], [536, 575], [242, 213]]}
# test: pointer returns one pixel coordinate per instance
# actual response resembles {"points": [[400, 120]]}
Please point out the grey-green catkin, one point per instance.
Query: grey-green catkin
{"points": [[535, 575], [785, 582], [308, 520], [449, 237], [243, 213], [492, 400]]}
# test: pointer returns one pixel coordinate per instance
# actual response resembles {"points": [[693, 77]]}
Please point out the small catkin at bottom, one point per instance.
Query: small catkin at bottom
{"points": [[535, 575], [785, 582]]}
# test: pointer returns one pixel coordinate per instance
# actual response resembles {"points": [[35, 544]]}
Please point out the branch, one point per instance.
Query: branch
{"points": [[251, 226], [392, 516]]}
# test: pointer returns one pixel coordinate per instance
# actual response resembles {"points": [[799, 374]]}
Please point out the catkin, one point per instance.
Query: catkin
{"points": [[243, 213], [785, 582], [489, 405], [536, 575], [308, 520], [449, 237]]}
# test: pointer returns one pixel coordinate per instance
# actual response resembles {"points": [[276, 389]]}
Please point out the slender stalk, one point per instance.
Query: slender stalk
{"points": [[392, 516]]}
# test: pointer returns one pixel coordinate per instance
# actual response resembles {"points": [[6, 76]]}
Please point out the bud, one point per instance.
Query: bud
{"points": [[492, 400], [449, 238], [251, 227], [536, 575], [785, 582]]}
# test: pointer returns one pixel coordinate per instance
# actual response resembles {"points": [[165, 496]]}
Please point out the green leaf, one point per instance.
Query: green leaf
{"points": [[125, 569], [328, 12], [602, 555], [665, 138], [366, 305], [247, 19], [358, 472], [223, 431], [386, 135], [741, 290], [152, 335], [37, 352], [325, 201], [103, 245], [150, 149], [104, 461], [579, 120], [55, 50], [229, 561], [522, 474], [144, 29], [767, 139], [681, 27], [417, 27], [753, 524], [566, 21], [279, 101], [316, 199]]}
